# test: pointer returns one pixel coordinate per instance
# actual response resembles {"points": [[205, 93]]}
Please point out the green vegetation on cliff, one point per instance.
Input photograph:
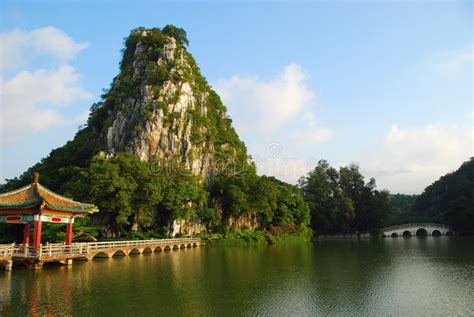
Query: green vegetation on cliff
{"points": [[136, 157]]}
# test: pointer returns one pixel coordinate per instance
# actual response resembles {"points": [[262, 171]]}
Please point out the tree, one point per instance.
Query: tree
{"points": [[178, 33], [273, 202], [123, 188], [449, 200], [341, 201], [321, 191], [402, 206]]}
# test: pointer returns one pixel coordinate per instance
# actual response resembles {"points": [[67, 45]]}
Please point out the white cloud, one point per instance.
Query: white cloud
{"points": [[409, 159], [286, 169], [456, 61], [275, 118], [30, 100], [273, 103], [19, 47], [310, 133]]}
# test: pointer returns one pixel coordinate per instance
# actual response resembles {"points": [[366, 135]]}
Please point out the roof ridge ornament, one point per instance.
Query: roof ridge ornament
{"points": [[36, 176]]}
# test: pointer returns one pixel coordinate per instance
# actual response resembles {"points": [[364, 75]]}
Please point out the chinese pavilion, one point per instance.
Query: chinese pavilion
{"points": [[36, 204]]}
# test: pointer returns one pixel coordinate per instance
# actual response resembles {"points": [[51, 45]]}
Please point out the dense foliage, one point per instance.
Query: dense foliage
{"points": [[135, 196], [142, 199], [449, 200], [145, 197], [342, 202], [271, 201], [402, 209]]}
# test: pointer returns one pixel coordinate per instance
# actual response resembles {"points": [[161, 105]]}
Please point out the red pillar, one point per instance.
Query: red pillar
{"points": [[37, 234], [68, 239], [26, 234]]}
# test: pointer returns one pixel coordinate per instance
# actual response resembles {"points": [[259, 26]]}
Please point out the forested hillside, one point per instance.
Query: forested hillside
{"points": [[449, 200], [159, 155]]}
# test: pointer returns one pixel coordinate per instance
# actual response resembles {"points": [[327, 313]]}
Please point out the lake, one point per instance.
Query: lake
{"points": [[393, 276]]}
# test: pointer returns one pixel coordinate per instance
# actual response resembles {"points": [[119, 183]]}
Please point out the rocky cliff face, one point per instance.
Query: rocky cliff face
{"points": [[160, 107]]}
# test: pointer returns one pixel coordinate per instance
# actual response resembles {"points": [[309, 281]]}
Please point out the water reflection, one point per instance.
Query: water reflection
{"points": [[391, 277]]}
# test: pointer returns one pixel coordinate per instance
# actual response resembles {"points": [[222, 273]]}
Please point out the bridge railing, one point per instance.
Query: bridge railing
{"points": [[412, 225], [50, 250], [137, 243], [60, 249], [6, 250]]}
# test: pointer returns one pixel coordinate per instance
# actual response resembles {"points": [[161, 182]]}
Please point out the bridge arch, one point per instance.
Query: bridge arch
{"points": [[135, 251], [436, 233], [120, 253], [421, 232], [417, 229], [101, 254], [89, 251]]}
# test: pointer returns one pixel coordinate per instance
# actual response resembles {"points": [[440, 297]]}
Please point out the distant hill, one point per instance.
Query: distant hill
{"points": [[449, 200]]}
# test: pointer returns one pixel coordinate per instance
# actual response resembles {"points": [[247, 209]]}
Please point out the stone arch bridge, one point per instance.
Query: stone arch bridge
{"points": [[417, 229], [34, 257]]}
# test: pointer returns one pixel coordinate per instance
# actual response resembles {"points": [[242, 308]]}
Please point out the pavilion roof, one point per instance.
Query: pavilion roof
{"points": [[36, 195]]}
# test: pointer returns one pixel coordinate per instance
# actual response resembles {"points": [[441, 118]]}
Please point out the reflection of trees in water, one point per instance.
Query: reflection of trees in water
{"points": [[34, 293], [5, 292], [345, 274], [327, 278], [259, 280]]}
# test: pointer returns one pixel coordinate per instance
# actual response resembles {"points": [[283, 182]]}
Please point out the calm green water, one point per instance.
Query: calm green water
{"points": [[398, 277]]}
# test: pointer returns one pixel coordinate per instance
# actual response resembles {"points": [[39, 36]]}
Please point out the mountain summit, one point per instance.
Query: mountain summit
{"points": [[159, 155], [161, 107]]}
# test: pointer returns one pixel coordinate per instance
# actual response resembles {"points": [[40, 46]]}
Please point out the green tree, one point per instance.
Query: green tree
{"points": [[449, 200], [178, 33], [123, 188], [341, 201]]}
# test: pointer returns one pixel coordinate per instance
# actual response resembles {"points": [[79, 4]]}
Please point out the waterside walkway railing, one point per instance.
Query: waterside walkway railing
{"points": [[65, 253], [410, 225]]}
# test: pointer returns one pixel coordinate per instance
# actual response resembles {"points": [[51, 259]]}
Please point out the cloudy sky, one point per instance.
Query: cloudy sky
{"points": [[385, 84]]}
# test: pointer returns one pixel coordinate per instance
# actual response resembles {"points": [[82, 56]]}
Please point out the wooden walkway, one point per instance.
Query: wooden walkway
{"points": [[35, 257]]}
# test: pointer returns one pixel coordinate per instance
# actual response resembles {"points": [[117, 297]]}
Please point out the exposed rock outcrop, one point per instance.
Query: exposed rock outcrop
{"points": [[168, 111]]}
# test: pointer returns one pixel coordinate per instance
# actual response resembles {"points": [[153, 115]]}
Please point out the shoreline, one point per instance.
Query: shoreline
{"points": [[344, 236]]}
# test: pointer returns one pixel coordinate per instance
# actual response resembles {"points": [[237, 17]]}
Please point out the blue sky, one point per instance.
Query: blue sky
{"points": [[385, 84]]}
